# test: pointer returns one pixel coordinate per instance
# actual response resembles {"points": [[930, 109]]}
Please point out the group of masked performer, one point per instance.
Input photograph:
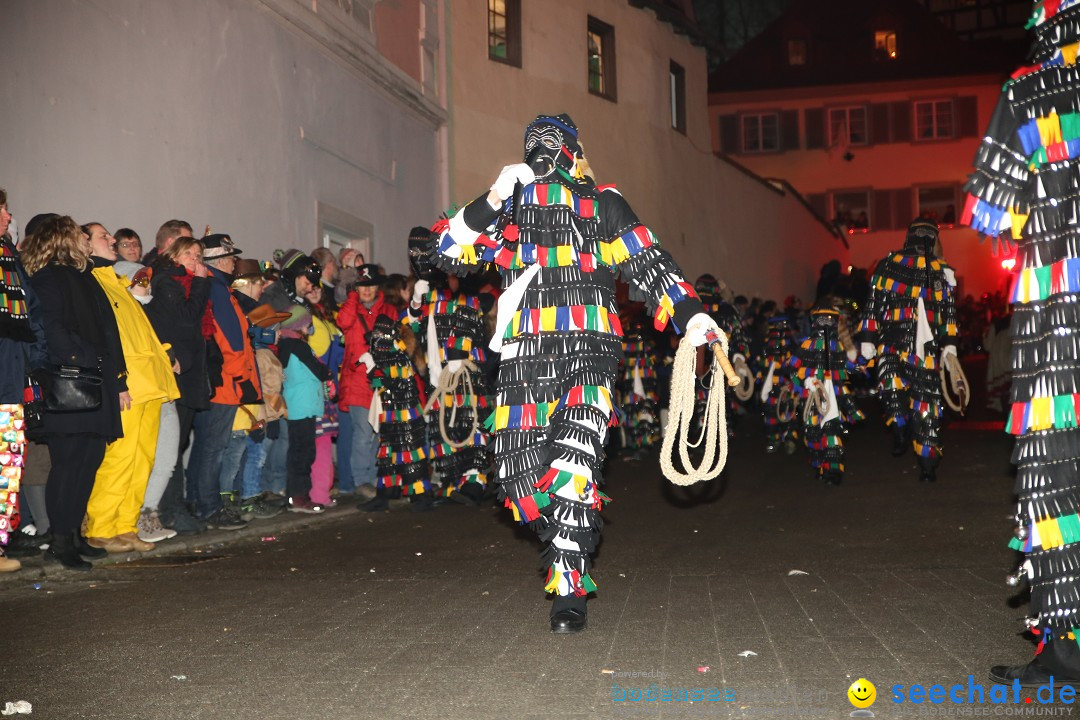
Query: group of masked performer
{"points": [[432, 402], [559, 241]]}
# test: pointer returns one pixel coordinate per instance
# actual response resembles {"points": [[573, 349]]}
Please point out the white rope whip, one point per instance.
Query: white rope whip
{"points": [[680, 411], [448, 384], [957, 381]]}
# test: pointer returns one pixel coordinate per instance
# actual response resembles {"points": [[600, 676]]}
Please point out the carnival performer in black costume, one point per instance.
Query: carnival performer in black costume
{"points": [[778, 403], [397, 414], [1025, 187], [819, 369], [637, 390], [449, 326], [726, 316], [909, 323], [558, 331]]}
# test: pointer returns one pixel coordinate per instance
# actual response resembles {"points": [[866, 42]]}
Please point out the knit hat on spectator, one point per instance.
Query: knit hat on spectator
{"points": [[298, 320], [128, 269], [367, 275], [294, 263], [218, 245]]}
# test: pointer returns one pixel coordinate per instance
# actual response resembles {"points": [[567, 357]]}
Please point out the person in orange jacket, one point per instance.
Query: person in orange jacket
{"points": [[234, 378]]}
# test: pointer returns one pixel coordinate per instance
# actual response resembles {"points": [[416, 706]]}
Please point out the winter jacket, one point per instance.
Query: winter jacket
{"points": [[150, 376], [80, 329], [239, 383], [303, 382], [178, 313], [20, 352], [356, 320]]}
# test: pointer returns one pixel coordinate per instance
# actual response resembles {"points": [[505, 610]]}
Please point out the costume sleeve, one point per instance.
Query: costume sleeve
{"points": [[997, 190], [466, 325], [635, 252], [869, 318], [947, 331], [461, 238]]}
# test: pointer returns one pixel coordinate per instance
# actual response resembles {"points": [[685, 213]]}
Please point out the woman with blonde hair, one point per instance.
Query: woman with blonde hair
{"points": [[81, 331]]}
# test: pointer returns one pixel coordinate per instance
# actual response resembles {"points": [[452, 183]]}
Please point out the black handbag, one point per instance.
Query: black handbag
{"points": [[68, 388]]}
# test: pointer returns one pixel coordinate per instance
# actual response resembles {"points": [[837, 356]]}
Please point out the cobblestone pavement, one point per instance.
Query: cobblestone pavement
{"points": [[442, 615]]}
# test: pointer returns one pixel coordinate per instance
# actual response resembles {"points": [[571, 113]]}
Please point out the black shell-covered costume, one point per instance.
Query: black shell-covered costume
{"points": [[1026, 187], [403, 455], [558, 254]]}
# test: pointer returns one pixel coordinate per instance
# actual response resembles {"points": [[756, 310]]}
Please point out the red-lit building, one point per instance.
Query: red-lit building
{"points": [[873, 111]]}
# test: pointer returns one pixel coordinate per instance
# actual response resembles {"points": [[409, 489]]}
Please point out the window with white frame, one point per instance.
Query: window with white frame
{"points": [[761, 133], [847, 126], [934, 120]]}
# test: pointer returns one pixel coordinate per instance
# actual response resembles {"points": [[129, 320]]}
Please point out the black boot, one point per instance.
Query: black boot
{"points": [[63, 549], [469, 494], [568, 614], [22, 545], [832, 478], [927, 470], [86, 549], [376, 504], [899, 440], [422, 503], [1060, 660]]}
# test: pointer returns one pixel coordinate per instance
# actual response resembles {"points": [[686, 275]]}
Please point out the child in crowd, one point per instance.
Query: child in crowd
{"points": [[304, 397]]}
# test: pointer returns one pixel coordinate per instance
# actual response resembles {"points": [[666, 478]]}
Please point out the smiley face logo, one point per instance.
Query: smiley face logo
{"points": [[862, 693]]}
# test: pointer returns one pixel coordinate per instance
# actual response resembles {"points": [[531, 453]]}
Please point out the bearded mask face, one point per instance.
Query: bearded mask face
{"points": [[551, 142]]}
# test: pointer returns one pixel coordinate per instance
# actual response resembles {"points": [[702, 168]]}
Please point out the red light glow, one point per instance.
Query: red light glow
{"points": [[1008, 264]]}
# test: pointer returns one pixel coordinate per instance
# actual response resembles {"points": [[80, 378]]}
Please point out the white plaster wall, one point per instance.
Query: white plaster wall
{"points": [[131, 112], [712, 217]]}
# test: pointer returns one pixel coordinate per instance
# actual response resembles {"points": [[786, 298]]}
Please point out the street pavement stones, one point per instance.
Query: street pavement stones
{"points": [[441, 614]]}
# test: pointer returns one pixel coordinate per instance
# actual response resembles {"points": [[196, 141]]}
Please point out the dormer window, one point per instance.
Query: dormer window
{"points": [[796, 52], [885, 44]]}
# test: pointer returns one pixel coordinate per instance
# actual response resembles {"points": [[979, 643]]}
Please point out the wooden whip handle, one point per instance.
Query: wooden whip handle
{"points": [[725, 365]]}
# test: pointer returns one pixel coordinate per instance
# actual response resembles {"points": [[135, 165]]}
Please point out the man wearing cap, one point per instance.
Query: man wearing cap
{"points": [[909, 323], [299, 275], [357, 441], [235, 383]]}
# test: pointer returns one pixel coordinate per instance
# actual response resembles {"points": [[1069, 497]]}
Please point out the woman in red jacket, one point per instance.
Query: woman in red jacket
{"points": [[357, 441]]}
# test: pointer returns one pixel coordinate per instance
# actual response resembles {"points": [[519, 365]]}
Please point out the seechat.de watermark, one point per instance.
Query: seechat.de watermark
{"points": [[973, 693]]}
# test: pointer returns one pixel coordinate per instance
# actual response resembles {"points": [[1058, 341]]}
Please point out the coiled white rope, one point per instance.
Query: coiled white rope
{"points": [[448, 383], [957, 381], [681, 410]]}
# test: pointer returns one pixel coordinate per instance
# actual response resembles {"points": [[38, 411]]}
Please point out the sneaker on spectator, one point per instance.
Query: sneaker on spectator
{"points": [[225, 519], [259, 509], [150, 528], [274, 500], [183, 522], [304, 505], [230, 501], [365, 492]]}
